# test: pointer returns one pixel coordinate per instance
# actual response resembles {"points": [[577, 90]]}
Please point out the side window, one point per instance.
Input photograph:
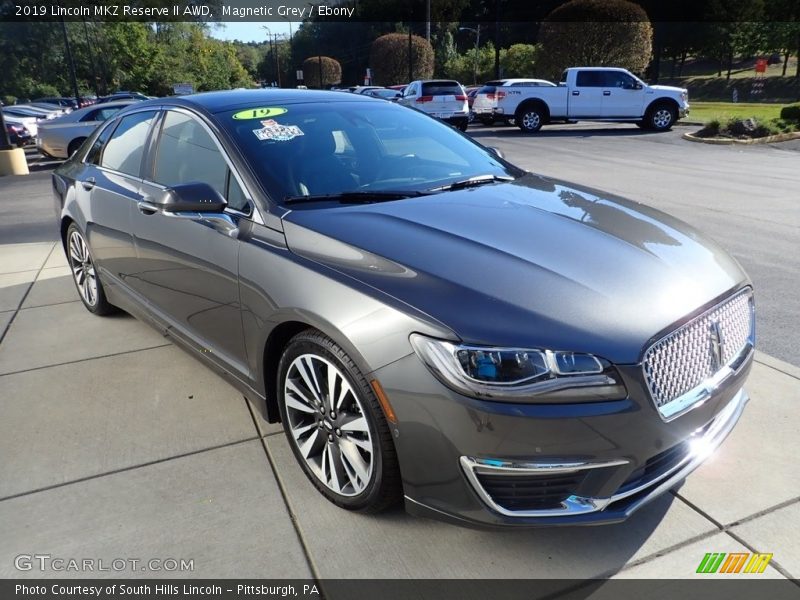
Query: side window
{"points": [[93, 156], [125, 149], [235, 196], [618, 79], [590, 79], [186, 152]]}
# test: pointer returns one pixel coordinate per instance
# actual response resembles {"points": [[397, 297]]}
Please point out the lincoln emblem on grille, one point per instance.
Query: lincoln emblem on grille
{"points": [[717, 346]]}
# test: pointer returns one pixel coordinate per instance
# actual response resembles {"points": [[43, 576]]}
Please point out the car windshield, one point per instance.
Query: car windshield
{"points": [[333, 148]]}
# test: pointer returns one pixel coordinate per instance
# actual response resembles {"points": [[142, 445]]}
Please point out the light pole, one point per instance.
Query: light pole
{"points": [[291, 48], [477, 33], [269, 39]]}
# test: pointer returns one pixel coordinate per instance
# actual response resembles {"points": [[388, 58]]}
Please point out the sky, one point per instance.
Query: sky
{"points": [[251, 32]]}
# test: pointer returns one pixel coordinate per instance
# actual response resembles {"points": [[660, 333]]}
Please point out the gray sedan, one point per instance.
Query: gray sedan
{"points": [[61, 137], [430, 323]]}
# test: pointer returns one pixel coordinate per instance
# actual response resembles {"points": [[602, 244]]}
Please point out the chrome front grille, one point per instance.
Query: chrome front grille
{"points": [[697, 353]]}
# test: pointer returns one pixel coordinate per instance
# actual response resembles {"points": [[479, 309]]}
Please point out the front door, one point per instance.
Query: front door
{"points": [[623, 96], [188, 262]]}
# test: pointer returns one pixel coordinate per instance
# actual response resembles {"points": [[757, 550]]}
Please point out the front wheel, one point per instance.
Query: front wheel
{"points": [[335, 425], [74, 145], [530, 120], [661, 117], [84, 274]]}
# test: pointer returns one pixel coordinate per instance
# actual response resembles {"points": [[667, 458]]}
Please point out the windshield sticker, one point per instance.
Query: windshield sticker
{"points": [[263, 112], [275, 132]]}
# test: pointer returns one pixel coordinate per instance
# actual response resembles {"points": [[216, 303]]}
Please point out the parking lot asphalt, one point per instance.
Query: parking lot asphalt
{"points": [[117, 444]]}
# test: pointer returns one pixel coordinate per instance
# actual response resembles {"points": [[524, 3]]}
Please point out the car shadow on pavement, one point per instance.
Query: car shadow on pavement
{"points": [[565, 132]]}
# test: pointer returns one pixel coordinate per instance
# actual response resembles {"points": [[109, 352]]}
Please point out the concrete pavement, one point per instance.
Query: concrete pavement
{"points": [[117, 444]]}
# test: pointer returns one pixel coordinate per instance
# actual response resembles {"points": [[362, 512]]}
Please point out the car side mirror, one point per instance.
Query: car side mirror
{"points": [[195, 196], [496, 151]]}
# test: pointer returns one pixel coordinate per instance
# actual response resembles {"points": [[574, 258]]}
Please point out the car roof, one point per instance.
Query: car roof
{"points": [[214, 102]]}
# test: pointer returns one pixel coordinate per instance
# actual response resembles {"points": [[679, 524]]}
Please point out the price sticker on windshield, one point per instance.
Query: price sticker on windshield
{"points": [[262, 112]]}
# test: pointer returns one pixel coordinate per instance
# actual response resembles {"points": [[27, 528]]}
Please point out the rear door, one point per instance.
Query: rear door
{"points": [[586, 96], [621, 98], [109, 187], [188, 262]]}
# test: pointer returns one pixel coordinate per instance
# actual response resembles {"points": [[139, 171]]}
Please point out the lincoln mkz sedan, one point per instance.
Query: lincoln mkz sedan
{"points": [[429, 322]]}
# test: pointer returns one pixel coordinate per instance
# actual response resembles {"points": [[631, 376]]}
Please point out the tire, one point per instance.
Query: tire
{"points": [[74, 145], [462, 126], [84, 274], [488, 121], [471, 117], [343, 444], [530, 119], [661, 117]]}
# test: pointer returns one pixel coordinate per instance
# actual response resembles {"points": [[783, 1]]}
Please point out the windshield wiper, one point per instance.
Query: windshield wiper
{"points": [[472, 182], [359, 196]]}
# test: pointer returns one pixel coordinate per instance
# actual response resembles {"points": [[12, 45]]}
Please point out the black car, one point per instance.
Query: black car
{"points": [[428, 321], [18, 135]]}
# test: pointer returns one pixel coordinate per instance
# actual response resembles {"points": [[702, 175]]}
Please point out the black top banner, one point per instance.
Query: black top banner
{"points": [[487, 11]]}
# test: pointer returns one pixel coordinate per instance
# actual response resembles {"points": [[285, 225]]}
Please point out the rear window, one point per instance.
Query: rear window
{"points": [[487, 89], [442, 88]]}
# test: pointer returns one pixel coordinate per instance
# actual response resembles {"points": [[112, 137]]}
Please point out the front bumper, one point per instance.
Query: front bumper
{"points": [[618, 455]]}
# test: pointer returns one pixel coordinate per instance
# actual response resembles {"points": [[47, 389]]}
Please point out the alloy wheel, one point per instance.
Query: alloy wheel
{"points": [[531, 121], [80, 261], [327, 423], [662, 118]]}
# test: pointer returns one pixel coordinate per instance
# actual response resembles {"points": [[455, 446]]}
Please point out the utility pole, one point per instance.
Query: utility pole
{"points": [[428, 20], [71, 63], [91, 58], [410, 64], [277, 61], [477, 33]]}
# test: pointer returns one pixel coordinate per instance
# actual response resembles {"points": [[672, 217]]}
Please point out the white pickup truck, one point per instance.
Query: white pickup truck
{"points": [[594, 94]]}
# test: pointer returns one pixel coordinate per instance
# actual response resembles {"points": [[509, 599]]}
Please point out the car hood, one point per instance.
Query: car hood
{"points": [[668, 88], [533, 263]]}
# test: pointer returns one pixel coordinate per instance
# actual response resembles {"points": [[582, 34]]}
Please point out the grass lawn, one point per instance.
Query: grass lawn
{"points": [[705, 111]]}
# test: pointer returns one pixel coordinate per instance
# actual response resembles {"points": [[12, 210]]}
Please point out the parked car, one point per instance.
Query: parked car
{"points": [[26, 110], [365, 89], [596, 94], [122, 96], [18, 134], [68, 103], [61, 137], [29, 123], [384, 94], [486, 99], [48, 106], [441, 98], [471, 93], [428, 321]]}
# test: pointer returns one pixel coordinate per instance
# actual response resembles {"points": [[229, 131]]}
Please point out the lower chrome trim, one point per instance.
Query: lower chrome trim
{"points": [[703, 446]]}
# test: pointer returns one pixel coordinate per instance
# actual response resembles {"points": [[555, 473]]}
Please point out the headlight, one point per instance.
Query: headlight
{"points": [[519, 375]]}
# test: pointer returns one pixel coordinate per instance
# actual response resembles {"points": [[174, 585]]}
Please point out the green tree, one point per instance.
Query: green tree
{"points": [[389, 58], [519, 60], [595, 33], [329, 69]]}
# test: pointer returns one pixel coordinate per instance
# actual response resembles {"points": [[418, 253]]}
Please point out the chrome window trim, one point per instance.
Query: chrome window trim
{"points": [[698, 395], [719, 429], [255, 216]]}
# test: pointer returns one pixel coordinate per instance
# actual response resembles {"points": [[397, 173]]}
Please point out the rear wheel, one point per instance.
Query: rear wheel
{"points": [[530, 119], [335, 425], [74, 145], [84, 274], [488, 121], [661, 117], [462, 125]]}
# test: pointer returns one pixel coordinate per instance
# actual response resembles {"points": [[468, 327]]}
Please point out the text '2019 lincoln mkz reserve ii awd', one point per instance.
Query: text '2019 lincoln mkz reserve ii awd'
{"points": [[428, 321]]}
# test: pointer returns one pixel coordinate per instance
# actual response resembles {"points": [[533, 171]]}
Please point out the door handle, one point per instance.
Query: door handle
{"points": [[576, 92], [147, 208], [89, 183], [606, 93]]}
